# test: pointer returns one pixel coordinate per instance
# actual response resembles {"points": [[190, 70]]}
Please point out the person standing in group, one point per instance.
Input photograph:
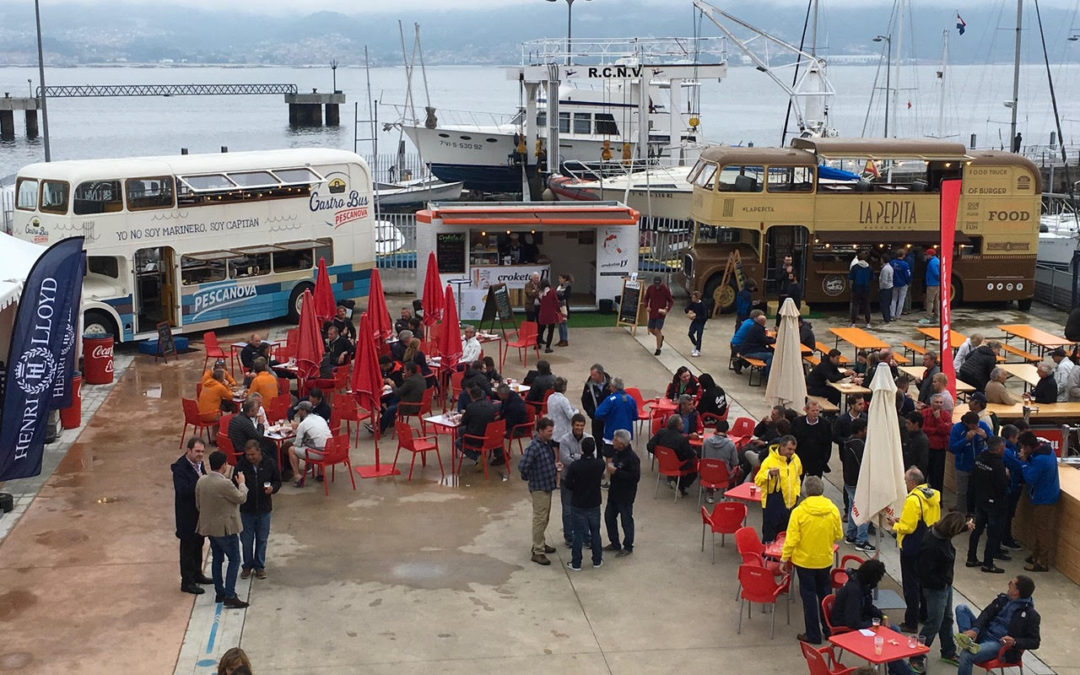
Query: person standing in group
{"points": [[937, 558], [562, 292], [1010, 433], [744, 302], [548, 315], [885, 287], [922, 508], [186, 472], [1044, 489], [624, 473], [218, 501], [261, 473], [933, 286], [570, 452], [619, 412], [813, 436], [780, 478], [989, 485], [539, 468], [597, 388], [914, 443], [531, 294], [851, 454], [658, 302], [901, 282], [859, 275], [560, 409], [1063, 368], [698, 313], [967, 440], [582, 480], [937, 425], [811, 532]]}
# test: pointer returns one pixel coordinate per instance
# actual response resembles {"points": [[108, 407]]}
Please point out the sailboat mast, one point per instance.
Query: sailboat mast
{"points": [[1016, 73], [813, 32], [941, 76], [900, 4]]}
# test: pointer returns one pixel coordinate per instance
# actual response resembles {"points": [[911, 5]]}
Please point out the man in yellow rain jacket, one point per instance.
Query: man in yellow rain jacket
{"points": [[813, 530], [780, 478], [922, 508]]}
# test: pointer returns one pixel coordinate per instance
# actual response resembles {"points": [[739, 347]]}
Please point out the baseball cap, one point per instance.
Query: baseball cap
{"points": [[305, 406], [931, 251], [978, 396]]}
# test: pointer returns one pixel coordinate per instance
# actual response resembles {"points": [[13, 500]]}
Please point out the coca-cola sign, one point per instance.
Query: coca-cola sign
{"points": [[102, 352]]}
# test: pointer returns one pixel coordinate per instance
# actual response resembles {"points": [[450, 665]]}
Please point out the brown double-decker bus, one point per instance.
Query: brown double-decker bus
{"points": [[822, 200]]}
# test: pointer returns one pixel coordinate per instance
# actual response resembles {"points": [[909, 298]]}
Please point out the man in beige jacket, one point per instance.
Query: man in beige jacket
{"points": [[218, 501]]}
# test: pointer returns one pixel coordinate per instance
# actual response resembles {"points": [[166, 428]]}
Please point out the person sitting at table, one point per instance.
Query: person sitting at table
{"points": [[1063, 368], [416, 325], [398, 349], [338, 346], [765, 431], [683, 382], [319, 406], [719, 446], [512, 409], [312, 433], [826, 371], [904, 403], [854, 605], [885, 355], [689, 417], [470, 347], [671, 437], [995, 388], [1010, 621], [245, 426], [490, 371], [979, 364], [405, 398], [215, 396], [965, 349], [926, 385], [391, 369], [742, 329], [806, 334], [343, 324], [755, 346], [780, 479], [254, 348], [264, 381], [713, 399], [540, 381], [812, 531], [1046, 390], [414, 355], [474, 375], [478, 414], [403, 320]]}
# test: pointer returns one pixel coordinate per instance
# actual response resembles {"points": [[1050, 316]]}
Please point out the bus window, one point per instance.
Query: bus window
{"points": [[149, 193], [791, 179], [564, 123], [325, 250], [299, 176], [54, 196], [104, 265], [289, 261], [98, 196], [704, 177], [582, 123], [605, 124], [27, 194], [249, 266], [254, 179], [709, 234], [208, 183], [201, 270], [741, 179]]}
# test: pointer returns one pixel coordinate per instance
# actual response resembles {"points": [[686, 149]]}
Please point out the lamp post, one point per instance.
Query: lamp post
{"points": [[569, 26], [333, 69], [888, 71], [41, 79]]}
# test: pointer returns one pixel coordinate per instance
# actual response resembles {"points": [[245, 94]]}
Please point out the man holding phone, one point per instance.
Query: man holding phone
{"points": [[218, 501]]}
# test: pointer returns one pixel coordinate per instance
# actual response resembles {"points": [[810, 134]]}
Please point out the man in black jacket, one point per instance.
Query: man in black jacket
{"points": [[474, 423], [671, 437], [540, 381], [979, 364], [512, 409], [989, 482], [319, 406], [262, 475], [186, 471], [926, 386], [1009, 621], [410, 395], [253, 350], [244, 427], [624, 470], [596, 389], [582, 479], [814, 438], [1045, 390], [817, 382], [851, 454]]}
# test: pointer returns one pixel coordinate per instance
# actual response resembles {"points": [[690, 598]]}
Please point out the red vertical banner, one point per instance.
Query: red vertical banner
{"points": [[950, 204]]}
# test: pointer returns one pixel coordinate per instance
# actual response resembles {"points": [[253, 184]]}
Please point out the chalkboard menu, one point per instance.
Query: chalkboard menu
{"points": [[166, 345], [629, 304], [498, 306], [450, 252]]}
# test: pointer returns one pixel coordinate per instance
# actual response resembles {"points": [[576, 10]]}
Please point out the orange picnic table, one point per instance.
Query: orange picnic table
{"points": [[857, 338], [934, 333], [1031, 335]]}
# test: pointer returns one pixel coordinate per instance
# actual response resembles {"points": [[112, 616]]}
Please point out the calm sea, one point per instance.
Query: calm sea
{"points": [[745, 107]]}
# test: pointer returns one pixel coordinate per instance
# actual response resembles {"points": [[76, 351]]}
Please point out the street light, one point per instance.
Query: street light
{"points": [[888, 70], [41, 79], [569, 25]]}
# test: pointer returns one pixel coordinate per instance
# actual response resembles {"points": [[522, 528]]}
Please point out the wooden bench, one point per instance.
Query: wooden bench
{"points": [[1027, 357], [827, 406], [758, 366], [913, 348], [811, 359], [901, 360], [825, 349]]}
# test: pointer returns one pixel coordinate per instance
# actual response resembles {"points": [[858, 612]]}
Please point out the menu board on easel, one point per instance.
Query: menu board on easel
{"points": [[497, 306], [165, 343], [450, 252], [630, 304]]}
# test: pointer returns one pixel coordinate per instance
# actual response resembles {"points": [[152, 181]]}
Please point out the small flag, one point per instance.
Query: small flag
{"points": [[871, 169], [909, 105], [961, 25]]}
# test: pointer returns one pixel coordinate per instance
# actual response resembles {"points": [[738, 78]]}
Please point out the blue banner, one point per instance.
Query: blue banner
{"points": [[37, 356], [61, 389]]}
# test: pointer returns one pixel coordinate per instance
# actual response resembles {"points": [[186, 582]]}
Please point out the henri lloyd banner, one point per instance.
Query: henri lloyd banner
{"points": [[43, 325], [72, 297]]}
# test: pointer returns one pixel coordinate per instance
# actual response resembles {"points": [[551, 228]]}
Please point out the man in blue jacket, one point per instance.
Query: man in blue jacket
{"points": [[742, 330], [1041, 476], [859, 275], [933, 285], [1009, 621], [967, 440], [1016, 482], [619, 411], [755, 345], [901, 282]]}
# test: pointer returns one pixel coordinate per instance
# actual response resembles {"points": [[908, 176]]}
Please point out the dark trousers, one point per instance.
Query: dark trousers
{"points": [[814, 585], [885, 300], [550, 328], [775, 518], [1006, 531], [697, 330], [614, 511], [191, 558], [586, 527], [860, 304], [988, 519], [913, 597], [597, 429], [936, 479], [833, 395]]}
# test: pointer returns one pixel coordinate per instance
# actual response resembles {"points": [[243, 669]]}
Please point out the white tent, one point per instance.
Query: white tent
{"points": [[16, 259], [881, 475]]}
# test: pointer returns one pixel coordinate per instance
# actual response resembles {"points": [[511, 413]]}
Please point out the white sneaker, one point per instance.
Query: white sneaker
{"points": [[695, 353], [867, 325]]}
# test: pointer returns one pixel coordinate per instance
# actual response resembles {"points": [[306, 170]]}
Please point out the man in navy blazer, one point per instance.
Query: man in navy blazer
{"points": [[186, 472]]}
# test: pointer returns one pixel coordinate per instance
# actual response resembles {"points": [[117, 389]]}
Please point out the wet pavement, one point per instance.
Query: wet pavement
{"points": [[407, 577]]}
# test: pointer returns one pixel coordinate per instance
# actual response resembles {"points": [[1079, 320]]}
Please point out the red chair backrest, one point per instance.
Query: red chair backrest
{"points": [[210, 341], [223, 423], [282, 386], [336, 450], [494, 434], [345, 408], [404, 434], [815, 659], [758, 584], [226, 446], [455, 381], [526, 330], [747, 541], [341, 378], [635, 394], [744, 426], [291, 336], [727, 517], [826, 611], [838, 576], [191, 411], [856, 559], [278, 408], [425, 400], [713, 473], [667, 461]]}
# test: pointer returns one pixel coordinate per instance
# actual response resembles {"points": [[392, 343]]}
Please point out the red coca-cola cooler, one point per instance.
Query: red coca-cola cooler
{"points": [[71, 416], [97, 359]]}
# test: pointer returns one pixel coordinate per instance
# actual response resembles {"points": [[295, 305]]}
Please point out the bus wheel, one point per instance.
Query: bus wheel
{"points": [[723, 297], [956, 291], [99, 324], [294, 301], [1024, 304]]}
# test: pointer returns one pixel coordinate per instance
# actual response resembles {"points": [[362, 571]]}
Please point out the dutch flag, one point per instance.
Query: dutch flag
{"points": [[961, 25]]}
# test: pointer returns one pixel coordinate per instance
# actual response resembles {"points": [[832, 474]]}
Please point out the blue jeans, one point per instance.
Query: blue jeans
{"points": [[988, 648], [860, 533], [586, 521], [612, 513], [225, 547], [814, 585], [253, 539], [563, 332], [697, 329], [939, 619]]}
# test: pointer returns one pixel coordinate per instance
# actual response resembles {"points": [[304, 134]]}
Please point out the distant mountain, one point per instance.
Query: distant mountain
{"points": [[109, 32]]}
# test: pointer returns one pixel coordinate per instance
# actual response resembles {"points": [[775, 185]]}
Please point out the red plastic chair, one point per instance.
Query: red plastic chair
{"points": [[492, 440], [223, 423], [713, 474], [417, 410], [742, 431], [455, 389], [226, 446], [336, 452], [1000, 663], [345, 409], [644, 412], [710, 420], [760, 586], [416, 445], [670, 466], [826, 611], [539, 408], [837, 578], [213, 349], [291, 337], [192, 418], [823, 661], [519, 432], [526, 339], [726, 518]]}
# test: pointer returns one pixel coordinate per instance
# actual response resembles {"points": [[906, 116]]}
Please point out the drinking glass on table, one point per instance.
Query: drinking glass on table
{"points": [[879, 645], [875, 623]]}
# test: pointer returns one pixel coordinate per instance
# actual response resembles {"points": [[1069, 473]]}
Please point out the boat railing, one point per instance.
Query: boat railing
{"points": [[650, 50], [587, 171], [457, 118]]}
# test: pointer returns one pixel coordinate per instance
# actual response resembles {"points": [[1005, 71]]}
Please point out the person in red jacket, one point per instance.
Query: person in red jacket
{"points": [[658, 302], [937, 423], [548, 315]]}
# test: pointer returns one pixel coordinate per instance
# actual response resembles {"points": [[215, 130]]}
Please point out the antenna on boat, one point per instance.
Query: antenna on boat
{"points": [[1057, 117]]}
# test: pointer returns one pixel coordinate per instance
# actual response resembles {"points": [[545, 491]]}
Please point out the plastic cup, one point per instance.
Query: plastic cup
{"points": [[876, 623], [920, 640], [753, 491], [912, 642], [879, 645], [266, 484]]}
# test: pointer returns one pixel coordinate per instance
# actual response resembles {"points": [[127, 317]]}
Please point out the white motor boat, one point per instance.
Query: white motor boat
{"points": [[1059, 238], [416, 191]]}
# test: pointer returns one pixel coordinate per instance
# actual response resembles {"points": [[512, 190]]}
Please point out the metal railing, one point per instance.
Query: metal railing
{"points": [[1058, 287], [466, 119], [391, 168], [648, 50], [238, 89], [395, 241], [7, 208]]}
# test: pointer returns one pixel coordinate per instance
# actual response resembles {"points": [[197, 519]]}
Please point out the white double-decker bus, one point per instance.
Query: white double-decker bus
{"points": [[203, 241]]}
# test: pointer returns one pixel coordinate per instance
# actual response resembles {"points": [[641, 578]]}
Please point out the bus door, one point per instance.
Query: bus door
{"points": [[784, 240], [155, 288]]}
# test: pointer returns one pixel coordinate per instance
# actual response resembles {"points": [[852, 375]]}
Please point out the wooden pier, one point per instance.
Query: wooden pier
{"points": [[8, 105]]}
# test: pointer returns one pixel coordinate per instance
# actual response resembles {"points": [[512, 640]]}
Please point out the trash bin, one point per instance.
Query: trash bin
{"points": [[97, 359], [71, 416]]}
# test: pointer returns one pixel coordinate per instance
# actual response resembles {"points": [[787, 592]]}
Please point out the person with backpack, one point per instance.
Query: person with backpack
{"points": [[901, 279], [937, 558], [922, 508]]}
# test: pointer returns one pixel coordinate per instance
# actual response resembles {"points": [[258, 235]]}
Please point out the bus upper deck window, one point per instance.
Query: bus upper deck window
{"points": [[791, 179], [741, 179], [149, 193], [704, 175], [249, 266], [108, 266], [54, 196], [27, 192], [201, 270], [98, 196]]}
